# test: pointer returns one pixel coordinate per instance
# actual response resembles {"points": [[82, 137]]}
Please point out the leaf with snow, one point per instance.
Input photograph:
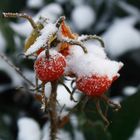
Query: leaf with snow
{"points": [[45, 34]]}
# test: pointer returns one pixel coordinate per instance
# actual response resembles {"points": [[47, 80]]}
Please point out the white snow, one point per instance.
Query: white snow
{"points": [[35, 3], [52, 52], [63, 96], [93, 47], [117, 99], [51, 11], [91, 64], [29, 74], [28, 129], [129, 90], [48, 89], [83, 16], [2, 43], [17, 41], [122, 36], [45, 34]]}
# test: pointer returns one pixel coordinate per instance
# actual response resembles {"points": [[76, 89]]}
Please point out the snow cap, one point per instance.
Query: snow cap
{"points": [[92, 63]]}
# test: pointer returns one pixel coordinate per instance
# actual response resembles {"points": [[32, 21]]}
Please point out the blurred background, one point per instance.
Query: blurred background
{"points": [[118, 22]]}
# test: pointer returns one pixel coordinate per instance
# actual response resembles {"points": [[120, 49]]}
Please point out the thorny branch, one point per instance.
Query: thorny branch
{"points": [[22, 15], [74, 42], [94, 37], [2, 56], [52, 111]]}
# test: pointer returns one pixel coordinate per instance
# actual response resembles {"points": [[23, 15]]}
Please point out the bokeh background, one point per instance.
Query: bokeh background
{"points": [[118, 22]]}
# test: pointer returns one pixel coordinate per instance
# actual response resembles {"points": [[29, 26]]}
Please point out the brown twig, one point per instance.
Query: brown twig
{"points": [[52, 111], [21, 15], [59, 21], [43, 98], [68, 90], [2, 56], [74, 42], [111, 103], [94, 37], [98, 107]]}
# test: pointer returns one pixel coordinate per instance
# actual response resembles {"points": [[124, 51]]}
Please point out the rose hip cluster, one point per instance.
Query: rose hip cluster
{"points": [[92, 70]]}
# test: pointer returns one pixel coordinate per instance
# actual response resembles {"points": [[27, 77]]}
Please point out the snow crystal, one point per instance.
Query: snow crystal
{"points": [[93, 47], [2, 43], [129, 90], [83, 17], [28, 129], [45, 34], [35, 3], [122, 36], [91, 63]]}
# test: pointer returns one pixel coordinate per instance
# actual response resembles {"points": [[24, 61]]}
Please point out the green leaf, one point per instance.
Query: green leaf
{"points": [[95, 131], [126, 120]]}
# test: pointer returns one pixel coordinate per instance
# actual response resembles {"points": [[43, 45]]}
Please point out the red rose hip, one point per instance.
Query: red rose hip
{"points": [[94, 85], [50, 69]]}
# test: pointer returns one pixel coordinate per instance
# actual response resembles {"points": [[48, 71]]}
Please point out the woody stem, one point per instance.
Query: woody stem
{"points": [[43, 98], [21, 15], [53, 111], [74, 42], [94, 37], [98, 107]]}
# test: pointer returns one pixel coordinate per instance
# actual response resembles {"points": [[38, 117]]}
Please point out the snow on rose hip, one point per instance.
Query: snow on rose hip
{"points": [[95, 72], [93, 85]]}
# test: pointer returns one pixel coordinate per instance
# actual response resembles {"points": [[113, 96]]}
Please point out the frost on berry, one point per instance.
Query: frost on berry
{"points": [[93, 85], [49, 69], [94, 70]]}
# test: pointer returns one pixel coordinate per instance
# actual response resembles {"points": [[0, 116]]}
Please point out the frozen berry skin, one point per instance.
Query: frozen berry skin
{"points": [[94, 85], [50, 69]]}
